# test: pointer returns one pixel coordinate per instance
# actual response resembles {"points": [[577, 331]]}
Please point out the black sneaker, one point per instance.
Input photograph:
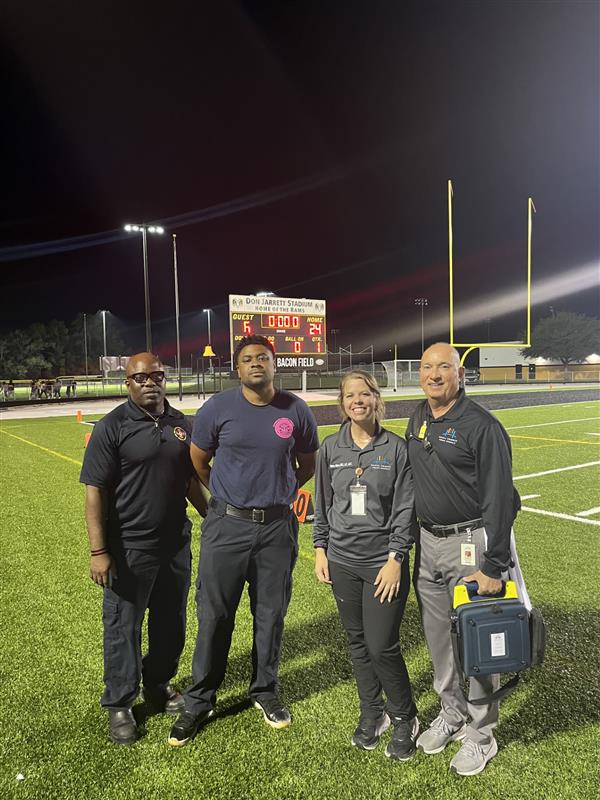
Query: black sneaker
{"points": [[275, 713], [369, 730], [401, 746], [164, 699], [187, 726]]}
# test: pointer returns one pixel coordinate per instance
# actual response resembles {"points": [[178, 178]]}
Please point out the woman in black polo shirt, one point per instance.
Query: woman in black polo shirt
{"points": [[363, 532]]}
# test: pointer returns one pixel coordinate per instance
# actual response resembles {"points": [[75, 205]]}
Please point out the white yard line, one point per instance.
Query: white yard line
{"points": [[529, 496], [559, 422], [561, 516], [589, 513], [589, 433], [553, 471]]}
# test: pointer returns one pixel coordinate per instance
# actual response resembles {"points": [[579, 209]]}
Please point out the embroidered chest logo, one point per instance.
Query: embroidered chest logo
{"points": [[283, 427], [449, 436], [381, 462], [180, 433]]}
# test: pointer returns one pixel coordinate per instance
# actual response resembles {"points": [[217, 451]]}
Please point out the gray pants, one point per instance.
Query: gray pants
{"points": [[437, 571]]}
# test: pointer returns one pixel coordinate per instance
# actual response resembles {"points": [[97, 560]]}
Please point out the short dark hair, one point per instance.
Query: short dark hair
{"points": [[253, 339]]}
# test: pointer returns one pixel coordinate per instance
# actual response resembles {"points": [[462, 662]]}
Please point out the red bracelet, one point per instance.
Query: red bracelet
{"points": [[99, 552]]}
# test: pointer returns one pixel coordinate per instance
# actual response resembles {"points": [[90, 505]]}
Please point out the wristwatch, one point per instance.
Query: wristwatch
{"points": [[394, 555]]}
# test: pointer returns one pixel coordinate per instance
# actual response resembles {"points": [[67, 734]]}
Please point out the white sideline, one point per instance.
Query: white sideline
{"points": [[561, 516], [553, 471], [590, 512], [558, 422]]}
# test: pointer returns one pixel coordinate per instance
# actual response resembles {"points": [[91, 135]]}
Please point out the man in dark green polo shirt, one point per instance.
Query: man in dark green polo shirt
{"points": [[138, 471]]}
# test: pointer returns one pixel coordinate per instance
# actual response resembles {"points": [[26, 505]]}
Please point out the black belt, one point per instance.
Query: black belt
{"points": [[442, 531], [260, 515]]}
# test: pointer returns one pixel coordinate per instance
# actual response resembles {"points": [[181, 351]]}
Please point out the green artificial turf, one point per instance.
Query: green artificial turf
{"points": [[54, 732]]}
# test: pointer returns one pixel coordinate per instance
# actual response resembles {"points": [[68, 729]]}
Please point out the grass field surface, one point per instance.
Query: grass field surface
{"points": [[55, 735]]}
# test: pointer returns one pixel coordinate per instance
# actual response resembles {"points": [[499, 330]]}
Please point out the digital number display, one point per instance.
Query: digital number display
{"points": [[290, 333], [296, 327]]}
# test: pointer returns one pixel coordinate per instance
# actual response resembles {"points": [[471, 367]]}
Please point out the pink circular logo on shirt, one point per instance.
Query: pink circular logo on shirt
{"points": [[284, 427]]}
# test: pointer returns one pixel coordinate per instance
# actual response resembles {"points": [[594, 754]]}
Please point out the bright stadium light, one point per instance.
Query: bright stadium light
{"points": [[145, 229]]}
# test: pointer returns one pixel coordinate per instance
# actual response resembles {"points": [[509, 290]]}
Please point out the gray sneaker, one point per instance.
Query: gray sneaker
{"points": [[472, 757], [438, 735]]}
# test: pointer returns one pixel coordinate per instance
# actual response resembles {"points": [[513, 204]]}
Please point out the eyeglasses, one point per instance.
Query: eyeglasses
{"points": [[142, 377]]}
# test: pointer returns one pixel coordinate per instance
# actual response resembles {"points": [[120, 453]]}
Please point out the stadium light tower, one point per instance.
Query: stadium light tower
{"points": [[176, 283], [145, 230], [207, 312], [103, 312], [422, 301]]}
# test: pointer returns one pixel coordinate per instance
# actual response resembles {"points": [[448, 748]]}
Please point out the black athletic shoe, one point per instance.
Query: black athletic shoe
{"points": [[275, 713], [187, 726], [164, 699], [122, 727], [369, 730], [402, 746]]}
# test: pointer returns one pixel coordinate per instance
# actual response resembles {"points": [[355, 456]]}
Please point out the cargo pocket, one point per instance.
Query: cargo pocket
{"points": [[111, 620]]}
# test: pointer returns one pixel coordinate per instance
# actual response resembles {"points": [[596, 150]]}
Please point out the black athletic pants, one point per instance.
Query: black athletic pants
{"points": [[235, 551], [373, 630], [151, 580]]}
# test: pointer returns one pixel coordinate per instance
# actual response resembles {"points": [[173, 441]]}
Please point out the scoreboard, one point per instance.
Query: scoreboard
{"points": [[295, 326]]}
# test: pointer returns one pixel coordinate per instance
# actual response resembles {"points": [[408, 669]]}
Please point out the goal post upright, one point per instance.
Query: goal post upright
{"points": [[531, 209]]}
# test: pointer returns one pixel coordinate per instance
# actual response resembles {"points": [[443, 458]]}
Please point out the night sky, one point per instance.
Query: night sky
{"points": [[302, 148]]}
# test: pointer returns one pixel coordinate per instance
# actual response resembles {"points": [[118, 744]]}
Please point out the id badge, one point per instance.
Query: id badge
{"points": [[358, 500], [467, 554]]}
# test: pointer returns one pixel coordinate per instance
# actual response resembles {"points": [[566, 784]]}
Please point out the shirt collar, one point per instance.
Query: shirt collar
{"points": [[453, 413], [135, 412], [345, 439]]}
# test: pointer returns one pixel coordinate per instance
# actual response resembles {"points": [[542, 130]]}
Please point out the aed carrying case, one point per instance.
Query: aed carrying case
{"points": [[494, 634]]}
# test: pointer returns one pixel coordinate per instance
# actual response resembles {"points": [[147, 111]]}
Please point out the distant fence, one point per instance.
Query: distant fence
{"points": [[207, 382]]}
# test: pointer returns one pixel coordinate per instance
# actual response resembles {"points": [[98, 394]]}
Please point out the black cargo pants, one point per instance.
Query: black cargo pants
{"points": [[146, 580], [235, 551]]}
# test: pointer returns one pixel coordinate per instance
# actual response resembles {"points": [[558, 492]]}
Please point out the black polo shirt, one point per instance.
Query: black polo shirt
{"points": [[145, 467], [471, 477]]}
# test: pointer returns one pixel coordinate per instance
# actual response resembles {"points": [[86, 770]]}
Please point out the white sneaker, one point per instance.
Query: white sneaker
{"points": [[438, 735], [472, 757]]}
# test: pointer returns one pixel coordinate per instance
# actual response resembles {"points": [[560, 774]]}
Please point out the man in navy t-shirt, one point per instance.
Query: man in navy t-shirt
{"points": [[262, 445]]}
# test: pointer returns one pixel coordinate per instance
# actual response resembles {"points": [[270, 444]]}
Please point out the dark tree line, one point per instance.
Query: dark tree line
{"points": [[566, 337], [57, 348]]}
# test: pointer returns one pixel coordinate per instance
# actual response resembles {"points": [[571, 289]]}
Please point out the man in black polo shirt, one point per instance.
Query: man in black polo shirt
{"points": [[466, 503], [262, 443], [138, 471]]}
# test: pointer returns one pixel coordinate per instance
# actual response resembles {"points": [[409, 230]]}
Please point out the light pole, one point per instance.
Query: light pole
{"points": [[103, 312], [334, 332], [85, 349], [488, 321], [422, 301], [177, 314], [145, 230], [207, 312]]}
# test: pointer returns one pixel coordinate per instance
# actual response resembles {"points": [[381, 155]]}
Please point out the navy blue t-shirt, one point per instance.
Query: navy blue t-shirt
{"points": [[255, 446]]}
